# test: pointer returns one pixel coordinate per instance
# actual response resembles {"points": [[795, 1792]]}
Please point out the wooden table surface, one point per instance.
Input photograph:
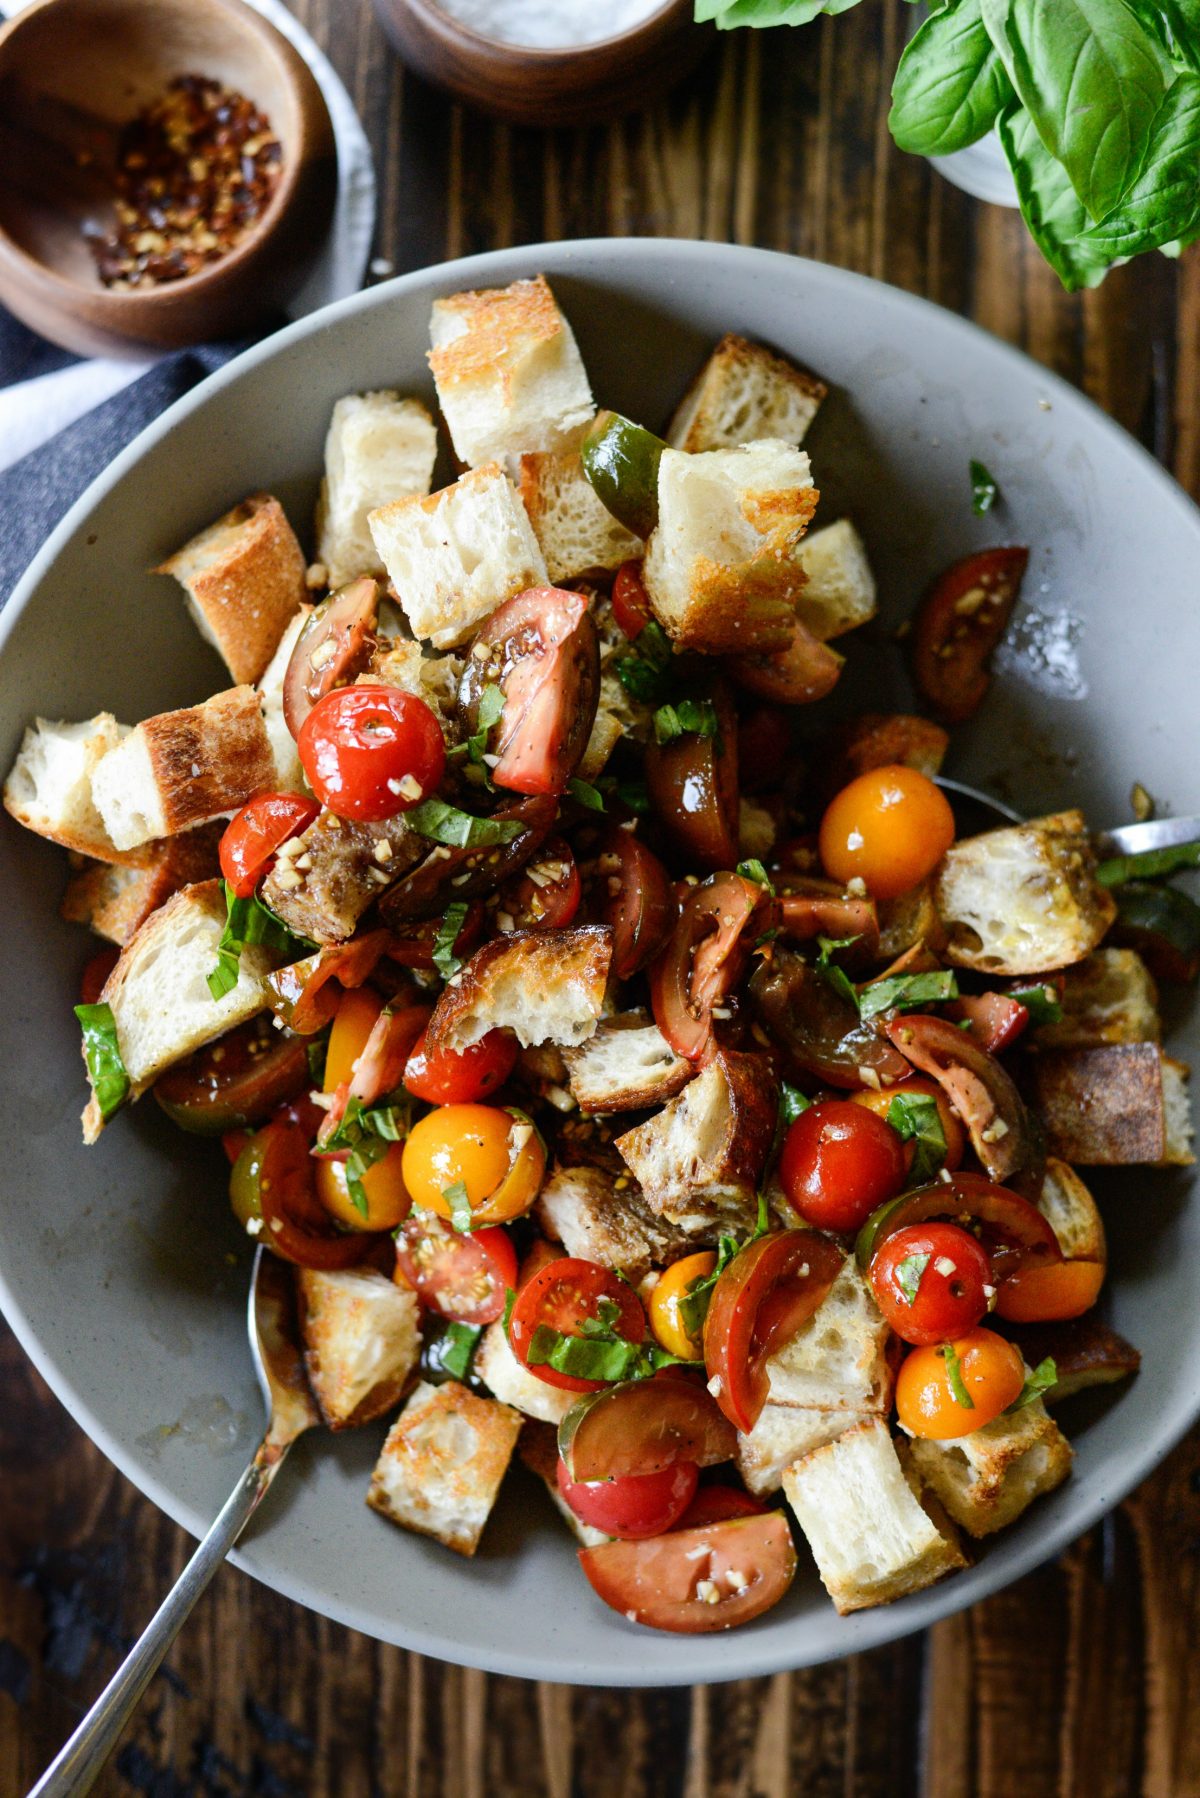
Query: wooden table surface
{"points": [[1083, 1678]]}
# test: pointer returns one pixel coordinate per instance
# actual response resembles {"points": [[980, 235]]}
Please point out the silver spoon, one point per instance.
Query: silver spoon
{"points": [[279, 1364], [1124, 839]]}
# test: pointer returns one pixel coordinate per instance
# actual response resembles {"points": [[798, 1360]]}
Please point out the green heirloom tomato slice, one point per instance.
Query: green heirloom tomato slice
{"points": [[621, 461]]}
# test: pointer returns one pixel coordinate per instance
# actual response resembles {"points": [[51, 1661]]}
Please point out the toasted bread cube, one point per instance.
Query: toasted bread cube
{"points": [[458, 554], [244, 578], [538, 1449], [577, 532], [839, 1360], [1118, 1106], [508, 372], [434, 679], [115, 898], [839, 592], [547, 986], [985, 1480], [1072, 1213], [1023, 900], [289, 770], [161, 1004], [871, 1538], [626, 1065], [720, 570], [335, 871], [362, 1338], [49, 787], [744, 392], [1085, 1353], [701, 1156], [783, 1435], [379, 448], [442, 1464], [184, 768], [1108, 998], [513, 1384], [600, 1217]]}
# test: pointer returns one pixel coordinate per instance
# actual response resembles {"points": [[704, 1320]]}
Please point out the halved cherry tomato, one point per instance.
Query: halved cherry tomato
{"points": [[352, 1026], [562, 1297], [763, 1297], [766, 747], [881, 1102], [541, 649], [840, 1162], [693, 786], [889, 828], [461, 1076], [630, 891], [695, 1581], [446, 875], [496, 1156], [380, 1063], [631, 607], [635, 1504], [1049, 1292], [306, 993], [668, 1326], [719, 1504], [412, 944], [704, 959], [463, 1277], [640, 1426], [332, 649], [370, 752], [238, 1080], [930, 1281], [991, 1373], [804, 671], [1011, 1223], [293, 1222], [387, 1197], [545, 895], [96, 972], [958, 624], [253, 835], [993, 1020]]}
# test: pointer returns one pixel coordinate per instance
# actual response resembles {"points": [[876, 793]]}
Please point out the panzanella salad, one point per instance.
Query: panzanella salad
{"points": [[639, 1072]]}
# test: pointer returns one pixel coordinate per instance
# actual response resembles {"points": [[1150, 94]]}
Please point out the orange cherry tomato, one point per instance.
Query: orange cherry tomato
{"points": [[496, 1156], [890, 827], [388, 1201], [991, 1372], [355, 1020], [1047, 1293], [668, 1326], [952, 1129]]}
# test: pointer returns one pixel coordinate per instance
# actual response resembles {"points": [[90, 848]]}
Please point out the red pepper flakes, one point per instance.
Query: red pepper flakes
{"points": [[194, 172]]}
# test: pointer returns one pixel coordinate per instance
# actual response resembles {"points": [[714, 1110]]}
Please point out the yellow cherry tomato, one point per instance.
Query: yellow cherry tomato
{"points": [[497, 1157], [665, 1321], [990, 1371], [890, 827], [356, 1015], [879, 1103], [388, 1201]]}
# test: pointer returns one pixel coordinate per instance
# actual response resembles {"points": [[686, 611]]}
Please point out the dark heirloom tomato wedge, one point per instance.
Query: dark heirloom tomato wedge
{"points": [[641, 1426], [412, 945], [1011, 1226], [817, 1028], [447, 875], [809, 908], [958, 624], [238, 1080], [545, 895], [332, 650], [704, 959], [693, 786], [993, 1020], [630, 891], [630, 604], [251, 838], [541, 650], [803, 672], [763, 1297], [564, 1295], [766, 748], [295, 1225], [634, 1505], [461, 1076], [980, 1090], [466, 1277], [306, 994], [696, 1581]]}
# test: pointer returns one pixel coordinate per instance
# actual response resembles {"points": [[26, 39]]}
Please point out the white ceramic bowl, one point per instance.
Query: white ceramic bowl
{"points": [[122, 1270]]}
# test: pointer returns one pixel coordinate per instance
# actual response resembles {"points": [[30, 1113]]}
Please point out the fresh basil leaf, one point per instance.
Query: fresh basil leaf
{"points": [[907, 992], [791, 1103], [367, 1135], [1049, 204], [510, 1299], [1175, 25], [915, 1118], [632, 793], [1043, 1377], [754, 870], [984, 491], [730, 13], [1149, 864], [1041, 1002], [459, 1342], [444, 958], [490, 709], [102, 1052], [461, 1215], [443, 823], [249, 921], [950, 86], [908, 1275], [696, 717], [316, 1050], [644, 671], [586, 794], [954, 1375], [599, 1353], [1163, 204], [837, 977]]}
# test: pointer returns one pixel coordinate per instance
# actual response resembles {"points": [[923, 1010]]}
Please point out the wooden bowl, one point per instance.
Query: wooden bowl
{"points": [[72, 73], [575, 85]]}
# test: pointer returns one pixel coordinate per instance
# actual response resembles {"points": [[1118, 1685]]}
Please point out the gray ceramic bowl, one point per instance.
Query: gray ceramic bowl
{"points": [[123, 1272]]}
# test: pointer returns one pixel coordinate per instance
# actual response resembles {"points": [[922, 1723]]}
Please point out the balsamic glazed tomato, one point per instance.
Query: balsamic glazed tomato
{"points": [[251, 838], [331, 651], [817, 1028], [629, 890], [958, 624], [238, 1080], [412, 945], [704, 959], [693, 785], [464, 1277], [545, 895], [294, 1223], [542, 653]]}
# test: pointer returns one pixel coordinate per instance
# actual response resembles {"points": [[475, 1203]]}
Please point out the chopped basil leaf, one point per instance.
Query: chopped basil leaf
{"points": [[907, 992], [368, 1135], [490, 709], [249, 921], [1150, 864], [984, 490], [317, 1049], [444, 958], [633, 794], [457, 1347], [1041, 1002], [510, 1299], [791, 1103], [837, 977], [102, 1051], [695, 717], [444, 823], [586, 795], [1043, 1377], [754, 870], [599, 1353], [908, 1275], [915, 1118], [643, 672], [693, 1306], [461, 1216], [954, 1374]]}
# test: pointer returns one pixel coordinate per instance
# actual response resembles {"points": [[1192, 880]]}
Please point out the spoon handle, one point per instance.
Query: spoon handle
{"points": [[77, 1764]]}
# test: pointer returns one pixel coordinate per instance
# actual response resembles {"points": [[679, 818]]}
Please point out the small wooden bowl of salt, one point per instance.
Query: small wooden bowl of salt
{"points": [[548, 62]]}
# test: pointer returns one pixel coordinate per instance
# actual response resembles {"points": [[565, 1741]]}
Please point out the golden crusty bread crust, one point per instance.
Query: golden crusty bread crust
{"points": [[244, 576], [546, 985], [115, 899]]}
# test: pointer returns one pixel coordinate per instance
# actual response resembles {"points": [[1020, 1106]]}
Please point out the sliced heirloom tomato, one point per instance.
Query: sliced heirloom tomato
{"points": [[1039, 1293], [693, 786], [804, 671], [273, 1184], [630, 605], [464, 1277], [621, 460], [253, 835], [562, 1297], [306, 994], [378, 1068], [629, 890], [461, 1076], [993, 1020], [761, 1299], [695, 1581], [704, 959], [718, 1504], [238, 1080], [812, 908], [817, 1027], [1014, 1230], [980, 1090], [333, 648], [641, 1426], [634, 1505], [545, 895], [448, 875], [669, 1323], [412, 945], [541, 650], [958, 624], [370, 752]]}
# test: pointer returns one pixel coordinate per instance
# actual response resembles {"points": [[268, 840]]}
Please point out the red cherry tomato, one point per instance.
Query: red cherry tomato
{"points": [[96, 972], [718, 1504], [630, 891], [562, 1296], [545, 895], [930, 1282], [462, 1076], [698, 1580], [636, 1505], [958, 625], [466, 1278], [256, 832], [631, 607], [839, 1162], [370, 752], [763, 1297]]}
